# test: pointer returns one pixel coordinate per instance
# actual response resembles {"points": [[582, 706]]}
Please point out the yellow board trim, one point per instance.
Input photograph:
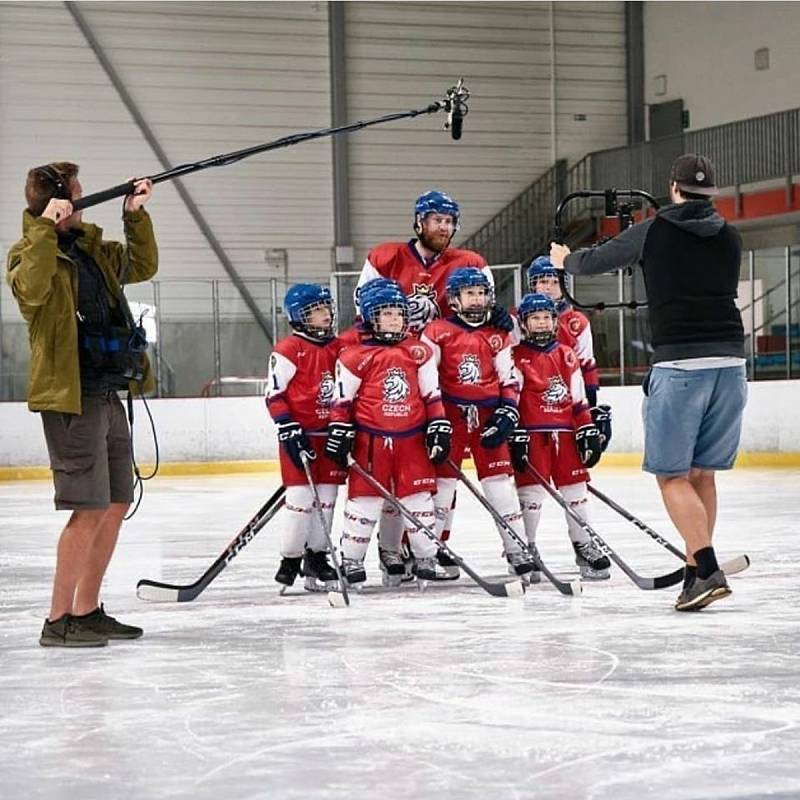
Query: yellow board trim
{"points": [[751, 460]]}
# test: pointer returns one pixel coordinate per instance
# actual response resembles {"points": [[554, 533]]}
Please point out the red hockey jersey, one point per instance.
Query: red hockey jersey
{"points": [[300, 381], [355, 334], [575, 332], [423, 283], [390, 390], [475, 364], [552, 397]]}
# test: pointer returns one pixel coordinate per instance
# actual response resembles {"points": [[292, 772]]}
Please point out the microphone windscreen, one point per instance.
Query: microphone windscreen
{"points": [[458, 123]]}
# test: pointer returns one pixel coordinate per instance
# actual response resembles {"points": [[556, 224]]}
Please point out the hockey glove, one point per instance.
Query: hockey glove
{"points": [[519, 443], [295, 442], [499, 426], [340, 442], [601, 416], [438, 438], [500, 318], [587, 440]]}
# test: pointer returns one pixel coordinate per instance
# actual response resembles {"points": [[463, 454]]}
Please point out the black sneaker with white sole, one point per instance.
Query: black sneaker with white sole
{"points": [[702, 592]]}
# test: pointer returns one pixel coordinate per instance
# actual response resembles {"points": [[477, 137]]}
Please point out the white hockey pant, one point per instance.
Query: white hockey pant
{"points": [[361, 515], [303, 527], [500, 492]]}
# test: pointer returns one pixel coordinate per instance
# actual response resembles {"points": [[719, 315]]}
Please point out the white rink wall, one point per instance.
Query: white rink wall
{"points": [[239, 428]]}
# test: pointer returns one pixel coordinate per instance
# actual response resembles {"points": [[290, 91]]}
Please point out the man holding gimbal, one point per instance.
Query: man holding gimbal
{"points": [[85, 347], [696, 389]]}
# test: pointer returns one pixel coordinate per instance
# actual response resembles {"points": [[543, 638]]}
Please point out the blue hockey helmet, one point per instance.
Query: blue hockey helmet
{"points": [[300, 301], [436, 202], [378, 299], [530, 304], [369, 286], [541, 267], [462, 278]]}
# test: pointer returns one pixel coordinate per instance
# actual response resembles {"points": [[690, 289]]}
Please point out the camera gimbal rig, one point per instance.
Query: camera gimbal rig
{"points": [[623, 211]]}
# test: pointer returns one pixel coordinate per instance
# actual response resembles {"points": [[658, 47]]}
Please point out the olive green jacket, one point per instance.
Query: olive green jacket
{"points": [[45, 283]]}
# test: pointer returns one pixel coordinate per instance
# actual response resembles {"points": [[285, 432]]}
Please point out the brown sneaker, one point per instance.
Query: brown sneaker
{"points": [[67, 631], [99, 622]]}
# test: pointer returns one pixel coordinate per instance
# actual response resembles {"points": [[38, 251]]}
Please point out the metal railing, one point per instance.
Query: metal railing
{"points": [[746, 151]]}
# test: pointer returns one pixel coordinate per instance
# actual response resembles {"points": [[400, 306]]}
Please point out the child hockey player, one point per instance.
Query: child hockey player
{"points": [[480, 392], [564, 442], [300, 388], [388, 411], [575, 332]]}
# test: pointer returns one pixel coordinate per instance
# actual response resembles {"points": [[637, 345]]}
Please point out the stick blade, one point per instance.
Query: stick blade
{"points": [[514, 589], [156, 592], [338, 600], [576, 588], [738, 564]]}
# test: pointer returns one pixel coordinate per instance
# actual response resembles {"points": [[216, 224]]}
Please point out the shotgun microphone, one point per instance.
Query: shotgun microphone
{"points": [[456, 109]]}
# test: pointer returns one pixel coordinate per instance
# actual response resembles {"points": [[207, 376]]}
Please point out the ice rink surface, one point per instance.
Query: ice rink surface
{"points": [[449, 694]]}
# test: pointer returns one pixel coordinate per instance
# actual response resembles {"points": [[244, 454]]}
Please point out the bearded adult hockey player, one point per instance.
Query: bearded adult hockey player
{"points": [[300, 387], [574, 330], [555, 431], [388, 412], [422, 265], [480, 392]]}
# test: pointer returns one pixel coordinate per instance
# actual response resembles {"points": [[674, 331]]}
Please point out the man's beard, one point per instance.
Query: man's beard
{"points": [[435, 244]]}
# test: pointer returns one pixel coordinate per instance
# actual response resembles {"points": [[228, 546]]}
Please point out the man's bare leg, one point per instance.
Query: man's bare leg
{"points": [[87, 590], [687, 511], [704, 483], [74, 548]]}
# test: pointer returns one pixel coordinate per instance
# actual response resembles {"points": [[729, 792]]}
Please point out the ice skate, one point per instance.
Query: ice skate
{"points": [[594, 566], [354, 572], [287, 572], [392, 567], [320, 575], [520, 564], [450, 570], [424, 571]]}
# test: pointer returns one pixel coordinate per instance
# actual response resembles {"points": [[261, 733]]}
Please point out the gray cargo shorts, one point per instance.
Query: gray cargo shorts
{"points": [[90, 454]]}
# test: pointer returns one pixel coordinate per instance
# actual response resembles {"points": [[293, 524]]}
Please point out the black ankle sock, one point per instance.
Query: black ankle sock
{"points": [[83, 616], [706, 560], [689, 574]]}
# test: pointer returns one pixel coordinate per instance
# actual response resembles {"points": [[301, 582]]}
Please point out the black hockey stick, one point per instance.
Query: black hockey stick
{"points": [[731, 567], [333, 597], [178, 593], [568, 588], [659, 582], [513, 589]]}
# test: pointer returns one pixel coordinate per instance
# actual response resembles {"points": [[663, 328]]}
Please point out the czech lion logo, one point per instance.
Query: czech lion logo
{"points": [[326, 387], [556, 392], [395, 385], [422, 305], [469, 370]]}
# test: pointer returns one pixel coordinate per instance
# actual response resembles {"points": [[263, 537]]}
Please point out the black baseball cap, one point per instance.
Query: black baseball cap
{"points": [[694, 173]]}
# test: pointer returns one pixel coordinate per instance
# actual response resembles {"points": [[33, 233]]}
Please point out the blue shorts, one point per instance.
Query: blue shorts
{"points": [[693, 418]]}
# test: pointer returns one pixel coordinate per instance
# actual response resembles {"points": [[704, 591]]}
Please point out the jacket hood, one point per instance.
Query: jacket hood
{"points": [[698, 217]]}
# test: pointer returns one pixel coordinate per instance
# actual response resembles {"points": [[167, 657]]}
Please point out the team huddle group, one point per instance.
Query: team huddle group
{"points": [[433, 370]]}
